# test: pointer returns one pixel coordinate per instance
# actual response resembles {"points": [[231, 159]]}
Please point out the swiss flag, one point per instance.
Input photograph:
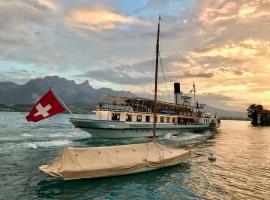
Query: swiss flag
{"points": [[47, 106]]}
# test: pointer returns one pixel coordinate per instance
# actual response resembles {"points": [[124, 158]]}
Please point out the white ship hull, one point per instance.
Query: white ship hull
{"points": [[118, 129]]}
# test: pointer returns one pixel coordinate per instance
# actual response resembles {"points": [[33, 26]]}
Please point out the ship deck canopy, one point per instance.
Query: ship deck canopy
{"points": [[147, 102]]}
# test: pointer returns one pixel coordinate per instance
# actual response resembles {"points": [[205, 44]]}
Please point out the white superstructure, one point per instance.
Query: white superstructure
{"points": [[124, 117]]}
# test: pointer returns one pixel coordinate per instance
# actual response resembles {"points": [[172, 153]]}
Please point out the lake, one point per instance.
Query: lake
{"points": [[241, 171]]}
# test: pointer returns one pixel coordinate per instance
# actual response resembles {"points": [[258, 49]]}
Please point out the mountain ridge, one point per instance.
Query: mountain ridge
{"points": [[72, 93], [68, 90]]}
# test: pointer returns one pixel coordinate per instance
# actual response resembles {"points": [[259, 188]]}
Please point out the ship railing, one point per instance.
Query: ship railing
{"points": [[128, 108], [109, 107]]}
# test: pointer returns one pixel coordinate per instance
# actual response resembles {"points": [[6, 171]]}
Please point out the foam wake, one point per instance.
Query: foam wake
{"points": [[35, 145]]}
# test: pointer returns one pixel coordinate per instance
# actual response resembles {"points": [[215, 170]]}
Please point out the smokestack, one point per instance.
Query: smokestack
{"points": [[176, 88], [176, 91]]}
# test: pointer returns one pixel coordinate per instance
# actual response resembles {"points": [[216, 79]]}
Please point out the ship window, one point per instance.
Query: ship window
{"points": [[116, 116], [139, 118], [129, 118], [147, 118], [168, 119], [173, 119], [161, 119]]}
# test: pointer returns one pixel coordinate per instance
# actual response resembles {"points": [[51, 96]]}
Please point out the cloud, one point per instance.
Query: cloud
{"points": [[101, 18], [223, 46], [215, 97], [247, 10], [247, 48], [220, 101], [50, 4], [142, 73], [116, 77], [217, 12], [139, 73], [22, 23], [233, 70], [225, 11], [22, 76], [189, 74]]}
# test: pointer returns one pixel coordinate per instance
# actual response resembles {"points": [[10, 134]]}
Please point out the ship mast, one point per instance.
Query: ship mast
{"points": [[156, 78]]}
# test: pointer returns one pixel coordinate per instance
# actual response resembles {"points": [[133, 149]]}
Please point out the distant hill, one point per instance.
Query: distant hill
{"points": [[67, 90], [5, 86], [80, 96], [227, 114]]}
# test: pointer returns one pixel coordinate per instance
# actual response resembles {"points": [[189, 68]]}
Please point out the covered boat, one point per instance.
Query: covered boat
{"points": [[79, 163]]}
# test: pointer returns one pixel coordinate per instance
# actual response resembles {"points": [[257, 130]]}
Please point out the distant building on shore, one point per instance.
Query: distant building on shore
{"points": [[263, 117], [259, 115]]}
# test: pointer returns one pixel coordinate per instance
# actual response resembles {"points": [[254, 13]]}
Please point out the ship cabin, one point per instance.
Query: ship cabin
{"points": [[140, 110]]}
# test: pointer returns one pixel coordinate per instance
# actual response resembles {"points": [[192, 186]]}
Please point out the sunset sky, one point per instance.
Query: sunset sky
{"points": [[222, 46]]}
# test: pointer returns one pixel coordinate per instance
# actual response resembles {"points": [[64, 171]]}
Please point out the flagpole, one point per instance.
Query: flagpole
{"points": [[62, 103], [194, 100]]}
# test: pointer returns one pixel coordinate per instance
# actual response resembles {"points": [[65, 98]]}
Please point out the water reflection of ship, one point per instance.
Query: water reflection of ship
{"points": [[124, 117]]}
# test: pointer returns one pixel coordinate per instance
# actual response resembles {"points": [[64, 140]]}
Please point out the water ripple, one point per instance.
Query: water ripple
{"points": [[241, 171]]}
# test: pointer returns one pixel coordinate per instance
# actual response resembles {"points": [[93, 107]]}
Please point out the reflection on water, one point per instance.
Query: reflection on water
{"points": [[141, 185], [242, 169]]}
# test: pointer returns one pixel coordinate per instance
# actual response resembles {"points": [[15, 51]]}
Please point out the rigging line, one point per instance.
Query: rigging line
{"points": [[161, 65], [166, 84], [147, 92], [150, 85]]}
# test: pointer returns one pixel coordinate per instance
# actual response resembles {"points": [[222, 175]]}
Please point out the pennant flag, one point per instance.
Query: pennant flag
{"points": [[46, 107]]}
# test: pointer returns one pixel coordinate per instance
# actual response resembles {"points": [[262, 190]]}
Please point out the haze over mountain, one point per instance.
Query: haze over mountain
{"points": [[72, 93], [67, 90], [225, 113]]}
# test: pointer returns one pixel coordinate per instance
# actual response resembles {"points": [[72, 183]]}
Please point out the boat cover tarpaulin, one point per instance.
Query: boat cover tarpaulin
{"points": [[93, 162]]}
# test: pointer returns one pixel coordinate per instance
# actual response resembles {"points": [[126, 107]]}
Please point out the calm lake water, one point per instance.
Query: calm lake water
{"points": [[242, 169]]}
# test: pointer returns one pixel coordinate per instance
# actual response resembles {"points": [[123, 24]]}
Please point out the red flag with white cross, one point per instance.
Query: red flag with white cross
{"points": [[47, 106]]}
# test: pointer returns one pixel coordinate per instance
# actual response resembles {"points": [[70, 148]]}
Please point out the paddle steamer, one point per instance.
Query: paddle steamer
{"points": [[127, 117]]}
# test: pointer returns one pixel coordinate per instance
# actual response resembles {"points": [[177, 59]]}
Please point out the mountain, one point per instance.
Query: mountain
{"points": [[71, 93], [225, 113], [67, 90], [5, 86]]}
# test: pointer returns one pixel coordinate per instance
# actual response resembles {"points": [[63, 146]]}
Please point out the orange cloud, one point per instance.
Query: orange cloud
{"points": [[212, 15], [100, 18], [245, 49], [233, 10], [50, 4], [246, 10]]}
